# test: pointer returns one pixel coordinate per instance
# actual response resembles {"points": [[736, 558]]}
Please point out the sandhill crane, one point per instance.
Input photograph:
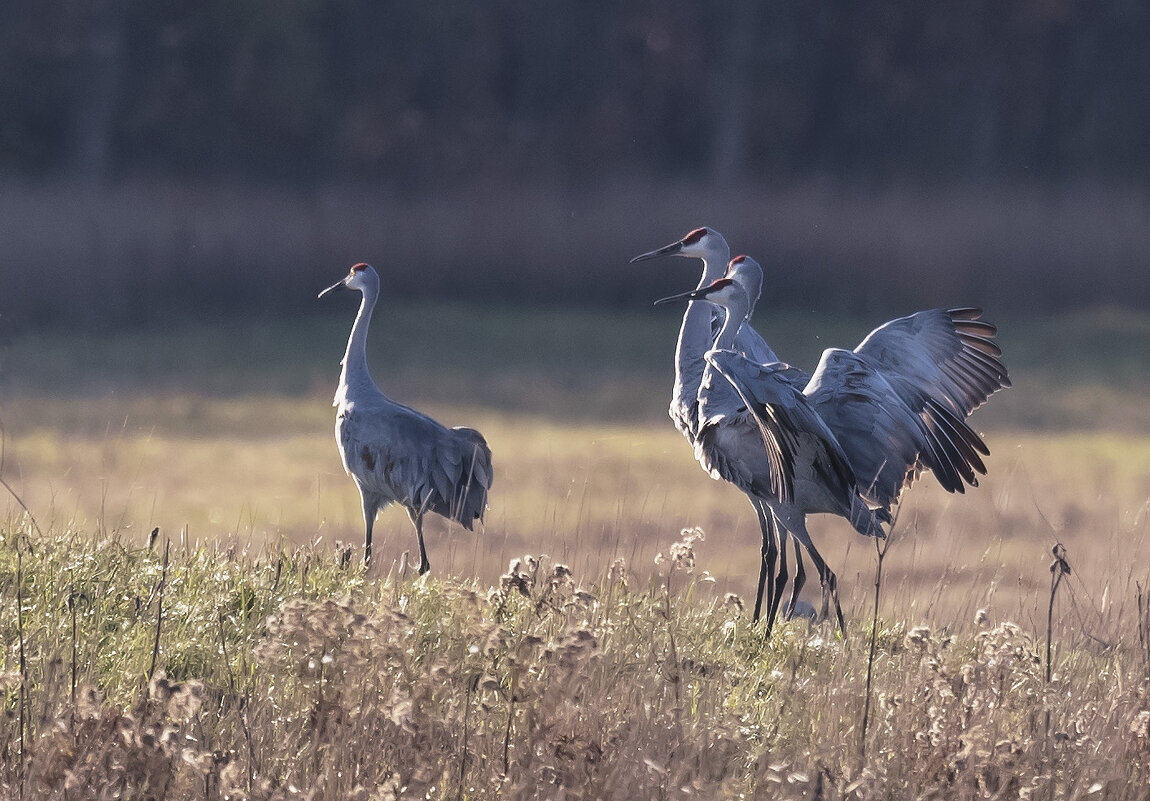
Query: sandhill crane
{"points": [[866, 422], [793, 468], [701, 323], [396, 454]]}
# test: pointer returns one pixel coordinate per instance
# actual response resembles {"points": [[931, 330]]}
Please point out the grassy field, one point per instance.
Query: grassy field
{"points": [[219, 433], [225, 431]]}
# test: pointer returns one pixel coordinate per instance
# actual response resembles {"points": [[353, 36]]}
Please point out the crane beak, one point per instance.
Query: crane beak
{"points": [[338, 285], [669, 250], [699, 294], [694, 294]]}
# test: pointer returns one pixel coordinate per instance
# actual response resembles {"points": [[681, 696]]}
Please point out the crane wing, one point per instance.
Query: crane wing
{"points": [[880, 435], [948, 355], [466, 475], [786, 421], [398, 454], [942, 364]]}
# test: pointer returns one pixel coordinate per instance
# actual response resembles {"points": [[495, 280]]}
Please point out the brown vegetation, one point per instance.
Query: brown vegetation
{"points": [[288, 674]]}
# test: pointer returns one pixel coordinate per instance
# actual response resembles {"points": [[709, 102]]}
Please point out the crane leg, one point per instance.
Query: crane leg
{"points": [[768, 554], [781, 578], [417, 521], [827, 577], [369, 510], [800, 580], [830, 584]]}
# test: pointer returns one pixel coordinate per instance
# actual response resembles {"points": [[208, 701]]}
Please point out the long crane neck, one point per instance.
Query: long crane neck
{"points": [[695, 333], [694, 341], [355, 373], [716, 395], [736, 314]]}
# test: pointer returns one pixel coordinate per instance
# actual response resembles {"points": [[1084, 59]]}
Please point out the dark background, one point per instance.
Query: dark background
{"points": [[166, 159]]}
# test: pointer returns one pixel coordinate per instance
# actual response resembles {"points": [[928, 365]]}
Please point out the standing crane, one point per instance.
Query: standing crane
{"points": [[866, 422], [700, 326], [396, 454]]}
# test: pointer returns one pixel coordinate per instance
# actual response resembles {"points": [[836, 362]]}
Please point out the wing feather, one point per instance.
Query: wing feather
{"points": [[915, 379], [881, 437]]}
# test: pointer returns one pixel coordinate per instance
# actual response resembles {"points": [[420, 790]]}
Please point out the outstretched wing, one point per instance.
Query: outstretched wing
{"points": [[898, 402], [880, 435], [950, 356]]}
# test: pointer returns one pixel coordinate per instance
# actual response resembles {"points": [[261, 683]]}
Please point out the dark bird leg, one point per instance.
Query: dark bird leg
{"points": [[800, 579], [417, 521], [827, 578], [370, 507], [768, 555], [781, 578], [830, 584]]}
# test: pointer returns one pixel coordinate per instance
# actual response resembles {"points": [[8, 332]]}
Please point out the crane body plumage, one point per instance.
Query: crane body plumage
{"points": [[395, 454], [774, 446]]}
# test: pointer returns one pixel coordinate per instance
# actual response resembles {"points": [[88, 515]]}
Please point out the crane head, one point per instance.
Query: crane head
{"points": [[361, 276], [702, 243], [747, 273]]}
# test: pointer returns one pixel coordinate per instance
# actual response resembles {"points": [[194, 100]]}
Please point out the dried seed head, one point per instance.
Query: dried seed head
{"points": [[618, 572], [681, 554], [918, 637], [516, 581]]}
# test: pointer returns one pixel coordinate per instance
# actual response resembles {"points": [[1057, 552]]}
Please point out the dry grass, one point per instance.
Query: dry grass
{"points": [[287, 674], [286, 670], [225, 432], [591, 494]]}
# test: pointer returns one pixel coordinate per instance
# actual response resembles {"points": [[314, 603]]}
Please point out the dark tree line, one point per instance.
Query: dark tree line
{"points": [[431, 92]]}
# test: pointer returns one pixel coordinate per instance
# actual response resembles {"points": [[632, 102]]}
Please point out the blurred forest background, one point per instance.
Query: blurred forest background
{"points": [[166, 160]]}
